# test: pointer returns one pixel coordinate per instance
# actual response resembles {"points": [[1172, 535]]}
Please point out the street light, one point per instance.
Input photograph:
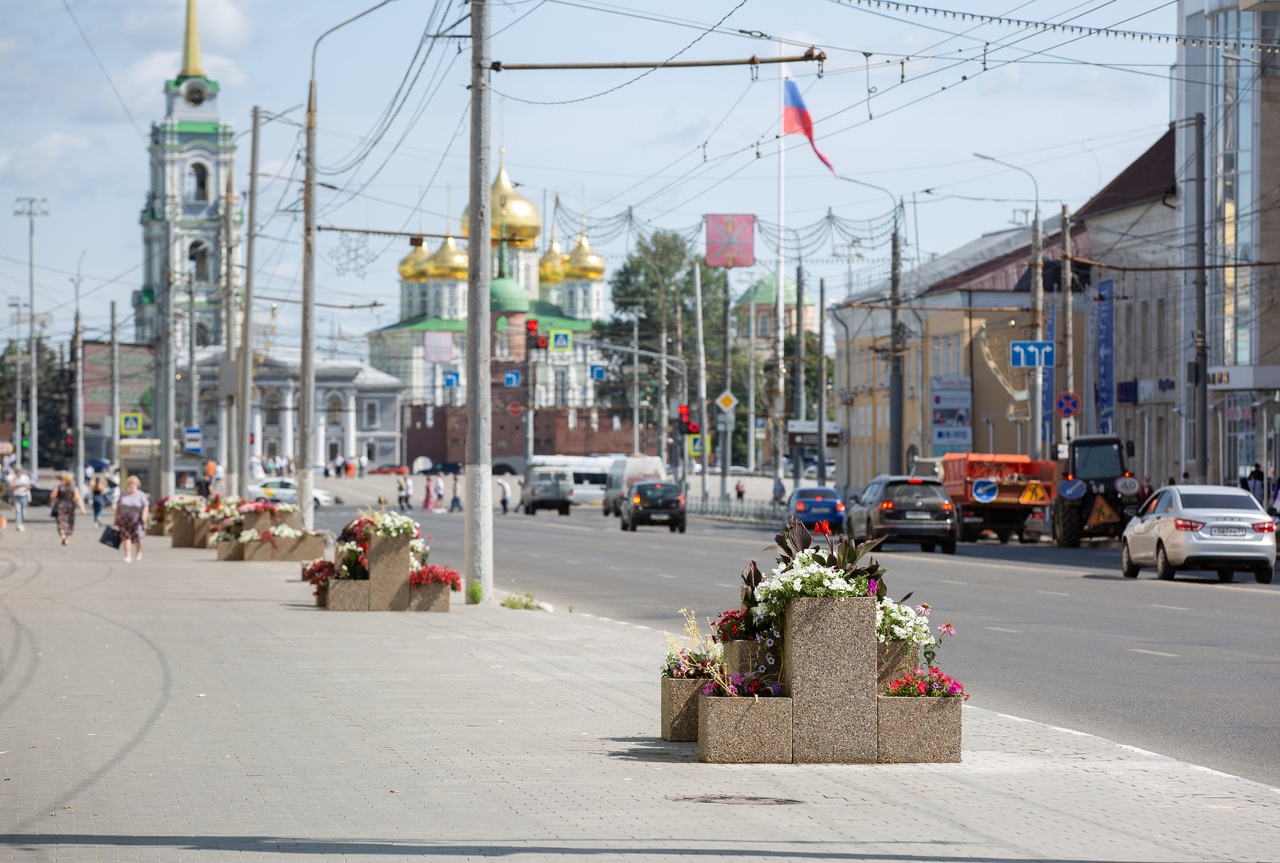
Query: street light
{"points": [[307, 369], [1037, 309]]}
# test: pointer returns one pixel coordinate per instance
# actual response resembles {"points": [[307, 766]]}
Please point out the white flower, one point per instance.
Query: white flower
{"points": [[250, 535]]}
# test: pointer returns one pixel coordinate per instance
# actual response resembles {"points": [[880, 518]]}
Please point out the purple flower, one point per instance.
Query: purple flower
{"points": [[710, 688], [763, 669], [737, 678], [769, 643], [871, 587], [769, 658]]}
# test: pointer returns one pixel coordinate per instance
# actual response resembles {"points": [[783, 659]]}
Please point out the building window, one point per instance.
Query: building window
{"points": [[762, 327], [501, 342], [562, 386], [198, 261], [198, 183], [333, 410], [371, 417], [272, 411]]}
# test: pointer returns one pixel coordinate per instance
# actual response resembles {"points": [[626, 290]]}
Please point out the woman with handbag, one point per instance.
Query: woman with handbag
{"points": [[131, 515], [66, 500]]}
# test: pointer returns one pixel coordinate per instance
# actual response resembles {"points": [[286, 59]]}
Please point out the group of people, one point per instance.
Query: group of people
{"points": [[348, 467], [433, 498], [65, 501]]}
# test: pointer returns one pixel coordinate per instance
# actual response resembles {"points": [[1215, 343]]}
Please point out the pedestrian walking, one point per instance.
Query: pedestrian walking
{"points": [[66, 500], [779, 492], [741, 491], [130, 519], [438, 486], [400, 492], [505, 488], [455, 504], [20, 488], [427, 496], [364, 465], [98, 495], [408, 491], [1258, 483]]}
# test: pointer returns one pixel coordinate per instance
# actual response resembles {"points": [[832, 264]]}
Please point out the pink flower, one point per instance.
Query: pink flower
{"points": [[947, 629]]}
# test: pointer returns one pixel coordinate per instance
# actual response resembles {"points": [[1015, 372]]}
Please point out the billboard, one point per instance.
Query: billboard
{"points": [[137, 381], [951, 414]]}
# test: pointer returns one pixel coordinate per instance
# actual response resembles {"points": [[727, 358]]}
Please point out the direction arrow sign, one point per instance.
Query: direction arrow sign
{"points": [[597, 373], [451, 380], [511, 379], [984, 490], [1031, 354], [1073, 489], [726, 401]]}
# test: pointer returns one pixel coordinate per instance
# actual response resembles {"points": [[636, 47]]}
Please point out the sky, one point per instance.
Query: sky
{"points": [[903, 101]]}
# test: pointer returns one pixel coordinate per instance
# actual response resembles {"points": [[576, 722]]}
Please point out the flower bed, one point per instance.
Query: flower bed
{"points": [[688, 667], [318, 573], [379, 549], [920, 718], [430, 587]]}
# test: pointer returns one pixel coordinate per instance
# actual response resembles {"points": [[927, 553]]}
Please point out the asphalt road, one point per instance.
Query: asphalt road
{"points": [[1187, 668]]}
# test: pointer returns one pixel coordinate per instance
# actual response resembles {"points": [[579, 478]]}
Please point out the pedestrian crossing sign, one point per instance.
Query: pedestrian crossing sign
{"points": [[1102, 513], [1034, 494], [561, 340], [695, 444], [131, 424]]}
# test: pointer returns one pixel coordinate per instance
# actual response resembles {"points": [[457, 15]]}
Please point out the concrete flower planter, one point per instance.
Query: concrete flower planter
{"points": [[680, 707], [894, 658], [348, 594], [306, 548], [259, 521], [258, 550], [290, 519], [322, 595], [200, 530], [429, 597], [182, 534], [742, 656], [744, 730], [389, 573], [158, 527], [829, 671], [231, 550], [919, 730]]}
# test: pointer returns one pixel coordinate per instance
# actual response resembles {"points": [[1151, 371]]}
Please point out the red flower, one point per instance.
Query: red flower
{"points": [[822, 528]]}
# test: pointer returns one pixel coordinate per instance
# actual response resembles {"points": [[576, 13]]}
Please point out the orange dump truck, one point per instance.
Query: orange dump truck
{"points": [[1005, 494]]}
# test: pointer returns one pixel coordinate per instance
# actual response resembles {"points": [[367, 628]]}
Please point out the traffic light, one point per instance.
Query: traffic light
{"points": [[683, 423], [533, 341]]}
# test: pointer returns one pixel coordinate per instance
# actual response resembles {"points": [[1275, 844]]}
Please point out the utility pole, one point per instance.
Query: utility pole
{"points": [[115, 390], [193, 387], [1066, 288], [77, 349], [822, 381], [751, 384], [1201, 335], [635, 382], [797, 452], [16, 304], [530, 409], [895, 348], [779, 309], [664, 407], [244, 387], [702, 370], [1037, 333], [726, 436], [478, 561], [30, 208]]}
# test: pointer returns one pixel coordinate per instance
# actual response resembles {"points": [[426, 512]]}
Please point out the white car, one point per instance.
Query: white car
{"points": [[285, 490], [1213, 527]]}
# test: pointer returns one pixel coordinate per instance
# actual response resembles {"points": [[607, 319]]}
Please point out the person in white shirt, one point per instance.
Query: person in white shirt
{"points": [[20, 488], [408, 491]]}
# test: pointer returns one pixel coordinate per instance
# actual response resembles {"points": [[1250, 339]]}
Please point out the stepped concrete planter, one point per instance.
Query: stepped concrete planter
{"points": [[158, 527], [348, 594], [259, 521], [230, 550], [305, 548], [744, 730], [893, 659], [182, 533], [389, 573], [829, 672], [258, 550], [429, 597], [289, 518], [919, 730], [680, 707], [201, 528], [743, 656]]}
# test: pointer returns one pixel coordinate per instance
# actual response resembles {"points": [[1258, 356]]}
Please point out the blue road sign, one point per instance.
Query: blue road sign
{"points": [[597, 373], [1072, 489], [511, 379], [984, 490], [1068, 404], [451, 380], [561, 340], [1024, 355]]}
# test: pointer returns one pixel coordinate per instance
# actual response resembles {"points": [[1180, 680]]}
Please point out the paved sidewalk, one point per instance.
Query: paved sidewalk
{"points": [[180, 709]]}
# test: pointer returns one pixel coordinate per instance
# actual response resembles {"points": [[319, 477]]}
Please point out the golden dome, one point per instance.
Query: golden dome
{"points": [[447, 262], [551, 264], [413, 265], [583, 263], [509, 211]]}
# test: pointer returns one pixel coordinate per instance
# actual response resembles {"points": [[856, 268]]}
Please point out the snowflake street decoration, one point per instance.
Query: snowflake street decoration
{"points": [[352, 255]]}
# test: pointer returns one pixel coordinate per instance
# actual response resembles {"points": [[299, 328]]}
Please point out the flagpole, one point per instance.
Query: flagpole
{"points": [[779, 308]]}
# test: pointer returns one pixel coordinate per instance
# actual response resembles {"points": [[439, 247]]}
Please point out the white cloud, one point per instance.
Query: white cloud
{"points": [[152, 23], [43, 163]]}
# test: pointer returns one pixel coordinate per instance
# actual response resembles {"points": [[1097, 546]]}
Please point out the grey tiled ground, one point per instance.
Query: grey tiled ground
{"points": [[181, 709]]}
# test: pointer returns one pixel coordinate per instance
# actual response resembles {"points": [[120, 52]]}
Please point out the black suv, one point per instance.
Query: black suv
{"points": [[911, 509], [654, 502]]}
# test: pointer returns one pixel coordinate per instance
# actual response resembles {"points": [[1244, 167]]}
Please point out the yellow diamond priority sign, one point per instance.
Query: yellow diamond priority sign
{"points": [[726, 401]]}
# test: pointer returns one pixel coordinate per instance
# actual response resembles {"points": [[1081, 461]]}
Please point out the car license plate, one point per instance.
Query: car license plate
{"points": [[919, 515], [1226, 531], [660, 516]]}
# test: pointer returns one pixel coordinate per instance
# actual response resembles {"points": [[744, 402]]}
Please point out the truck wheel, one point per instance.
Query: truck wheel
{"points": [[1164, 570], [970, 535], [1004, 536], [1128, 568], [1263, 574], [1068, 526], [949, 547]]}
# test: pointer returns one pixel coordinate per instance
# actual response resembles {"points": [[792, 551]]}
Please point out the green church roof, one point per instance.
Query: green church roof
{"points": [[762, 293], [506, 295]]}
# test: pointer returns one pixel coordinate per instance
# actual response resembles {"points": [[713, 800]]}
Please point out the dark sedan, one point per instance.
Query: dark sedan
{"points": [[815, 504], [905, 509], [654, 502]]}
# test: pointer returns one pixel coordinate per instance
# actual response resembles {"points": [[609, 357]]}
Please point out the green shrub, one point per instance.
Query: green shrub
{"points": [[522, 601], [475, 593]]}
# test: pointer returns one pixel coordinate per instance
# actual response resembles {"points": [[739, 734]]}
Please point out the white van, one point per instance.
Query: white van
{"points": [[624, 473]]}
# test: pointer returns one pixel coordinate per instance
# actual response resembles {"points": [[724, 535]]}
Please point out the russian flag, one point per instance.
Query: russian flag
{"points": [[796, 119]]}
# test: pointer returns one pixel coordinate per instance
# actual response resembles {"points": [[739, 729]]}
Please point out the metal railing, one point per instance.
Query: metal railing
{"points": [[762, 512]]}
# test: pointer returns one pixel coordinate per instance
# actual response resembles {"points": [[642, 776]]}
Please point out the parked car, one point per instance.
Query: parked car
{"points": [[1213, 527], [394, 469], [285, 490], [816, 503], [625, 473], [905, 509], [654, 502], [443, 467], [547, 488]]}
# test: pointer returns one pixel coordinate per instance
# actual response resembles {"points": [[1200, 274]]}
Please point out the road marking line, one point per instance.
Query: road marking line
{"points": [[949, 581], [1052, 593], [1002, 629], [1153, 652], [1170, 607], [722, 584], [664, 575]]}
